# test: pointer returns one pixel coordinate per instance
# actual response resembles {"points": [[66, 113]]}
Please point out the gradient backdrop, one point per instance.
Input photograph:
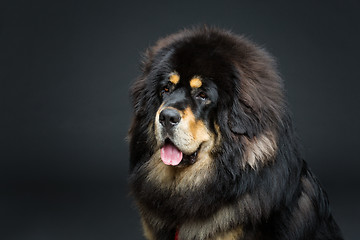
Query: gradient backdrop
{"points": [[66, 68]]}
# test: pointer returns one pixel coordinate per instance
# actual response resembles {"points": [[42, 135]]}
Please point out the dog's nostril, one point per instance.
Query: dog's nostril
{"points": [[169, 117], [174, 120], [162, 118]]}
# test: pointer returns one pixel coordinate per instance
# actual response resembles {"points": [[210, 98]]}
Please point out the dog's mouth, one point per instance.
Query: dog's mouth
{"points": [[171, 155]]}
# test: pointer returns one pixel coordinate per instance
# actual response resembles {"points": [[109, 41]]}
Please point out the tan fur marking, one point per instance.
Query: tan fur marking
{"points": [[174, 78], [305, 209], [259, 149], [148, 234], [157, 124], [195, 82], [160, 172], [233, 234], [193, 176], [305, 204], [221, 223], [196, 127]]}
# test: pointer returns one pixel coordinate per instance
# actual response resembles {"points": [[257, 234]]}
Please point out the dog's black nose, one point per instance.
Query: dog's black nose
{"points": [[169, 118]]}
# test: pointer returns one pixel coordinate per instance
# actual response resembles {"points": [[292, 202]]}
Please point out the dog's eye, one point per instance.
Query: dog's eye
{"points": [[164, 91], [201, 96]]}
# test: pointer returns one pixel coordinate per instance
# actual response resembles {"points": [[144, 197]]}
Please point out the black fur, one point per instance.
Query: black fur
{"points": [[278, 198]]}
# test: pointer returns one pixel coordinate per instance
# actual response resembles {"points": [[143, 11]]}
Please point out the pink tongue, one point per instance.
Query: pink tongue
{"points": [[170, 155]]}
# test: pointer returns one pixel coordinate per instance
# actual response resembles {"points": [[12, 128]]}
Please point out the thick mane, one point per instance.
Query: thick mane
{"points": [[255, 178]]}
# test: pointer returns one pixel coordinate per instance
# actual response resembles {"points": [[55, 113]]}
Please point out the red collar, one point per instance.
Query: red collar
{"points": [[177, 234]]}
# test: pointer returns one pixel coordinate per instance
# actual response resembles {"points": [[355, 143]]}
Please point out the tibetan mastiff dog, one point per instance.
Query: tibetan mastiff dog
{"points": [[213, 153]]}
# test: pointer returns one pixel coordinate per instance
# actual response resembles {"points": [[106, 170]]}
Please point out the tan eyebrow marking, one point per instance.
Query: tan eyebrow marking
{"points": [[174, 77], [195, 82]]}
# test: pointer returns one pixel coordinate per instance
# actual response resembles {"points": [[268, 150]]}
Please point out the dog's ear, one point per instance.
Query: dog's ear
{"points": [[241, 121], [237, 122], [140, 90], [242, 117], [137, 94]]}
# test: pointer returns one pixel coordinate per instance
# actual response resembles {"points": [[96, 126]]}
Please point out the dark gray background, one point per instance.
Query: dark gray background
{"points": [[65, 72]]}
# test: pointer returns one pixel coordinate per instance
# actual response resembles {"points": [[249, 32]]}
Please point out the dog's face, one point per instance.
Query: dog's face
{"points": [[182, 123], [191, 87]]}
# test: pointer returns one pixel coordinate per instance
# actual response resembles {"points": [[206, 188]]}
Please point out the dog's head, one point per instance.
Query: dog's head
{"points": [[206, 87]]}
